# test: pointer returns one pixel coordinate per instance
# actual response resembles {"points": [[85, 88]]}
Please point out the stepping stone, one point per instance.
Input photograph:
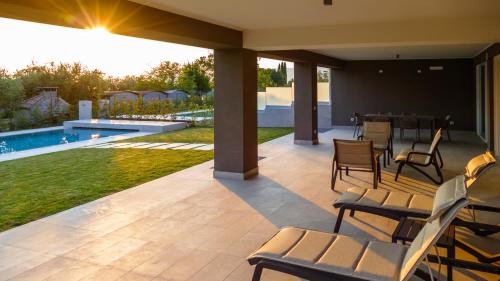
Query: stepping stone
{"points": [[113, 145], [169, 146], [189, 146], [205, 148], [151, 145], [134, 144], [97, 145]]}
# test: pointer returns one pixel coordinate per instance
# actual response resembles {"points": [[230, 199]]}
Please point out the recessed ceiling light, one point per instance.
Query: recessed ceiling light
{"points": [[327, 2]]}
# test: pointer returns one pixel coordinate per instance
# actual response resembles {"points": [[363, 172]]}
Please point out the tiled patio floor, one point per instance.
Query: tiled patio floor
{"points": [[189, 226]]}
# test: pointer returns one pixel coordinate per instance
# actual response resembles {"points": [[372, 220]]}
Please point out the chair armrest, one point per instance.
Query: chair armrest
{"points": [[408, 157]]}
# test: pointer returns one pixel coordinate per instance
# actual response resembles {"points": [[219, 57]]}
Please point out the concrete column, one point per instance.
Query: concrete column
{"points": [[306, 103], [235, 113]]}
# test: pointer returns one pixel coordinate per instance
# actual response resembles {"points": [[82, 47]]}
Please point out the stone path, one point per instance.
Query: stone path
{"points": [[156, 145]]}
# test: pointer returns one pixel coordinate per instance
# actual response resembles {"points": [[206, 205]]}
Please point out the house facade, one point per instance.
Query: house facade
{"points": [[146, 96]]}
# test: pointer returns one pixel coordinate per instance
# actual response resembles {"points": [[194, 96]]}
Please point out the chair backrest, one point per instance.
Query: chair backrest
{"points": [[351, 153], [408, 122], [477, 166], [378, 132], [450, 198], [435, 141]]}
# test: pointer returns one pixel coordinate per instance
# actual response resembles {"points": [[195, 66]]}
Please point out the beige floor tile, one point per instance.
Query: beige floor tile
{"points": [[162, 261], [188, 266], [106, 273], [218, 269]]}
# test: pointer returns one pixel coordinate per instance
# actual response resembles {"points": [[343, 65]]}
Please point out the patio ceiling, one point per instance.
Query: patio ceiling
{"points": [[362, 29]]}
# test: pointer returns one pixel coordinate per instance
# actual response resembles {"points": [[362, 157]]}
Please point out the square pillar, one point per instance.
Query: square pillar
{"points": [[306, 103], [235, 113]]}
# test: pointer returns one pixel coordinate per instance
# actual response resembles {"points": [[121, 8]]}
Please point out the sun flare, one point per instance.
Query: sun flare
{"points": [[99, 31]]}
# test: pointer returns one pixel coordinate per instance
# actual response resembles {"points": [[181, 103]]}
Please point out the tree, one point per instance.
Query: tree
{"points": [[11, 95], [323, 75]]}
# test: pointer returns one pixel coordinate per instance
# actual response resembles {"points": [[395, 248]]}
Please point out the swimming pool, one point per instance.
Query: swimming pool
{"points": [[20, 142]]}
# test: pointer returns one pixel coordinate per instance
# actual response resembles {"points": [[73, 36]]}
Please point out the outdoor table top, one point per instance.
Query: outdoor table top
{"points": [[430, 117]]}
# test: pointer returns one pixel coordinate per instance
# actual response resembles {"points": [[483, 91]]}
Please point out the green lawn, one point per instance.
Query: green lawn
{"points": [[35, 187], [206, 135]]}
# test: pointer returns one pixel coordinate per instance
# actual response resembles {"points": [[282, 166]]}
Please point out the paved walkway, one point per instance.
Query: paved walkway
{"points": [[156, 145], [190, 226]]}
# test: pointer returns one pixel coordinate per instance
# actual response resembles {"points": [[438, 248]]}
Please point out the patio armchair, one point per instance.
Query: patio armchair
{"points": [[357, 123], [352, 155], [416, 159], [315, 255], [410, 122], [445, 124], [380, 134]]}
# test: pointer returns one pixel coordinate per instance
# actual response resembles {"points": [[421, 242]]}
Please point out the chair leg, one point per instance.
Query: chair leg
{"points": [[346, 171], [340, 172], [354, 131], [448, 133], [336, 228], [400, 168], [375, 176], [440, 159], [257, 272], [451, 255], [438, 171], [351, 213], [334, 176], [379, 174]]}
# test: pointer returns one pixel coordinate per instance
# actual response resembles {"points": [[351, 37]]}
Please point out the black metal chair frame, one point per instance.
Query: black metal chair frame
{"points": [[434, 161], [358, 122], [308, 273], [402, 129], [337, 169], [388, 151]]}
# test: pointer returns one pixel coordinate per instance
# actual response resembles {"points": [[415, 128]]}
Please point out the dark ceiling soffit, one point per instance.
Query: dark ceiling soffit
{"points": [[125, 18], [303, 56]]}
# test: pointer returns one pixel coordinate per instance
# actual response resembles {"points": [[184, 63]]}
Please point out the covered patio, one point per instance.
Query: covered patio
{"points": [[202, 223], [190, 226]]}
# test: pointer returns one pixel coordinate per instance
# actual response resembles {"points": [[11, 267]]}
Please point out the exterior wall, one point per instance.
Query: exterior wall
{"points": [[488, 56], [122, 97], [154, 96], [359, 87], [275, 107], [177, 95], [276, 116]]}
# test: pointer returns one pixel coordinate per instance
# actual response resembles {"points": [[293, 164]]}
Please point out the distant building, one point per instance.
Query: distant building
{"points": [[46, 102], [126, 96]]}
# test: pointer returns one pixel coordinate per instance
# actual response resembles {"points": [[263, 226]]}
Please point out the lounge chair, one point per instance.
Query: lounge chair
{"points": [[416, 159], [380, 134], [397, 205], [316, 255], [351, 155]]}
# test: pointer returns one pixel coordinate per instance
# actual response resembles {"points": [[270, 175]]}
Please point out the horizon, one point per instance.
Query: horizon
{"points": [[93, 48]]}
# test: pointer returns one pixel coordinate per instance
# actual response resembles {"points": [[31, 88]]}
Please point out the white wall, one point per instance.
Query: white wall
{"points": [[496, 100]]}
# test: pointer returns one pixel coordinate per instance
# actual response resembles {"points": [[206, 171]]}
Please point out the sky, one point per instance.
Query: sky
{"points": [[115, 55]]}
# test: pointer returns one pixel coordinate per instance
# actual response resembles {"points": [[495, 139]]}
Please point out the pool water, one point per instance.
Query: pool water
{"points": [[22, 142]]}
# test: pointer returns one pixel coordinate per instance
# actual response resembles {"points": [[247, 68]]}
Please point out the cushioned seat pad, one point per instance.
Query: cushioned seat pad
{"points": [[415, 158], [333, 253], [391, 200]]}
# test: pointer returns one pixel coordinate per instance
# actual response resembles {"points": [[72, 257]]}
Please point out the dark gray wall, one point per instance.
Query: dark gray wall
{"points": [[359, 87]]}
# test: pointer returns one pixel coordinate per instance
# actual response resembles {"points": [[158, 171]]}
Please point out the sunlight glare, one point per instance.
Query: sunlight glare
{"points": [[99, 31]]}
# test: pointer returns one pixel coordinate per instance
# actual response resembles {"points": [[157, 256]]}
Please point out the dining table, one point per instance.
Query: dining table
{"points": [[393, 117]]}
